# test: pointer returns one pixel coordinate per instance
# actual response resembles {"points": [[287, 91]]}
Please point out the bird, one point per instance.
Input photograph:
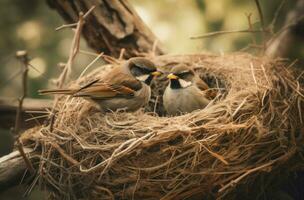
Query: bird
{"points": [[125, 87], [185, 92]]}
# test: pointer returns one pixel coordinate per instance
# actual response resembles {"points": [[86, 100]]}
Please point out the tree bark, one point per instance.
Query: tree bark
{"points": [[110, 27], [12, 168], [281, 45]]}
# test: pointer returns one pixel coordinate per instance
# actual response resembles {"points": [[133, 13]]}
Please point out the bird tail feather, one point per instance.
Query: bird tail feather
{"points": [[56, 91]]}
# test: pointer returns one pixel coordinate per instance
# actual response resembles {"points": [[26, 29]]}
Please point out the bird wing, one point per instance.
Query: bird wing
{"points": [[201, 84], [99, 90], [114, 85], [210, 93], [120, 78]]}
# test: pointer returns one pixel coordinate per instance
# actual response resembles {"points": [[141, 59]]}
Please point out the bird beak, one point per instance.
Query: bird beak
{"points": [[172, 76], [156, 73]]}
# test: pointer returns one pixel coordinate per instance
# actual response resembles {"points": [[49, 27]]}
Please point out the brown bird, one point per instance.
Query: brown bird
{"points": [[126, 86], [184, 93]]}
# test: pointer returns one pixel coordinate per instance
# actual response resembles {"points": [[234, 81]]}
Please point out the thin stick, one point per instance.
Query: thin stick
{"points": [[64, 154], [264, 71], [88, 53], [121, 54], [258, 5], [106, 58], [67, 68], [90, 64], [75, 24], [225, 32], [219, 157], [12, 77], [292, 64], [66, 26], [40, 73], [252, 71], [250, 26], [276, 14], [239, 107], [155, 43], [22, 56], [235, 181], [288, 26], [155, 105], [73, 52]]}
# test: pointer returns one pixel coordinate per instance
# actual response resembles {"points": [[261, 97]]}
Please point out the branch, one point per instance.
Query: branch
{"points": [[12, 168], [33, 112], [112, 26], [261, 16], [216, 33], [22, 56], [280, 44]]}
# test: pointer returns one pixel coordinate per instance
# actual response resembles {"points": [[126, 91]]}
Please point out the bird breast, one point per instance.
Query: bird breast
{"points": [[184, 100]]}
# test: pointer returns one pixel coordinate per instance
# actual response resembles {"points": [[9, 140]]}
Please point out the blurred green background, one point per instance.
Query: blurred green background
{"points": [[30, 25]]}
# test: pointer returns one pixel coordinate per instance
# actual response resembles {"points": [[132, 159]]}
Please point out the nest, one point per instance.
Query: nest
{"points": [[251, 129]]}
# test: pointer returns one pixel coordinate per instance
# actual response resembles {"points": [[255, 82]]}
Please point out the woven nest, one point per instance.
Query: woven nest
{"points": [[251, 129]]}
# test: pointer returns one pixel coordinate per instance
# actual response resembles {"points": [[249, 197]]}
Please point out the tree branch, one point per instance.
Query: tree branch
{"points": [[33, 109], [12, 168], [112, 26], [280, 44]]}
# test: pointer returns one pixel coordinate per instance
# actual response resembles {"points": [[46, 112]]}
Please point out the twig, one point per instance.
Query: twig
{"points": [[65, 155], [106, 58], [66, 26], [282, 41], [235, 181], [75, 24], [253, 76], [239, 107], [67, 68], [290, 25], [88, 53], [73, 52], [257, 2], [258, 5], [275, 17], [154, 48], [12, 77], [22, 56], [211, 34], [37, 70], [264, 72], [250, 26], [219, 157], [89, 65], [121, 54]]}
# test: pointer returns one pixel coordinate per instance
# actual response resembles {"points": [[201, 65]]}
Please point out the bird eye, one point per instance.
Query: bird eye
{"points": [[138, 70], [184, 74]]}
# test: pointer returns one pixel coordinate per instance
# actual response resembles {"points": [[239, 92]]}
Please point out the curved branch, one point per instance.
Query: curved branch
{"points": [[111, 27], [281, 44]]}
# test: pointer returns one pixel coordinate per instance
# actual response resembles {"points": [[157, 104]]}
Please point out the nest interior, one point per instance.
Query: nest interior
{"points": [[252, 128]]}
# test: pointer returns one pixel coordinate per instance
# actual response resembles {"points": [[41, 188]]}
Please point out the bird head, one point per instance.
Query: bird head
{"points": [[142, 69], [181, 76]]}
